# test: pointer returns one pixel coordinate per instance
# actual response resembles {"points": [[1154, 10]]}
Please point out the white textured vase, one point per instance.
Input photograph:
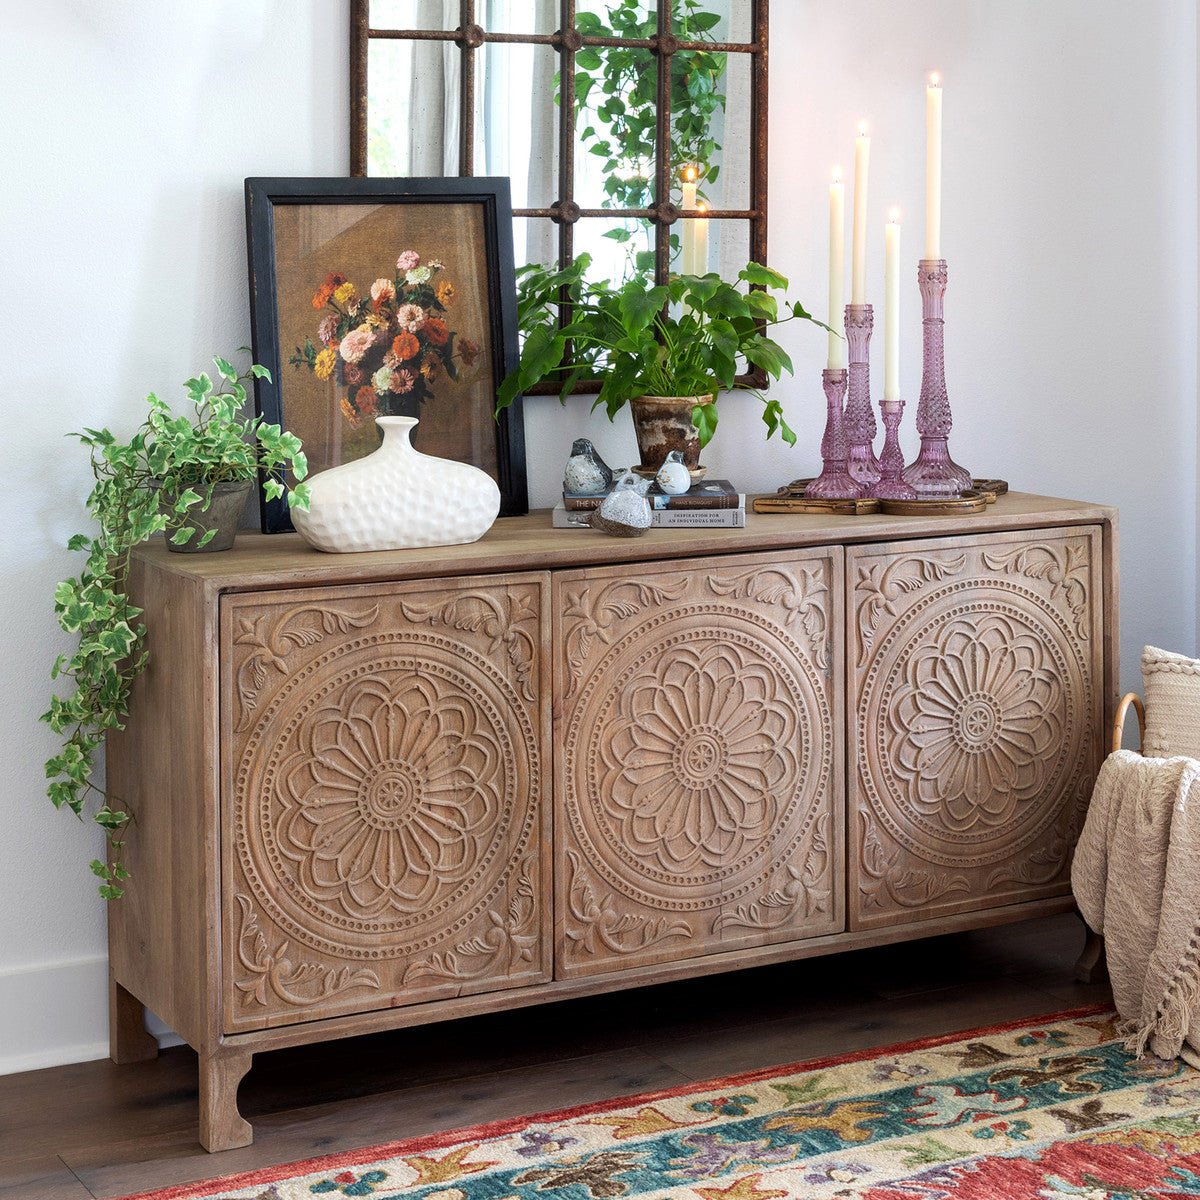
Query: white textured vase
{"points": [[397, 498]]}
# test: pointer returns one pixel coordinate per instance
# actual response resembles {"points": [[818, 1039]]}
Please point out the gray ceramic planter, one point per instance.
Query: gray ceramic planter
{"points": [[223, 514]]}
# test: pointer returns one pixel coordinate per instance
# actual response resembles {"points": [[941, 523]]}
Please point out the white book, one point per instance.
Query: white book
{"points": [[663, 518]]}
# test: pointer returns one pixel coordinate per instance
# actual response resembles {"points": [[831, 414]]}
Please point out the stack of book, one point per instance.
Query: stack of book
{"points": [[711, 502]]}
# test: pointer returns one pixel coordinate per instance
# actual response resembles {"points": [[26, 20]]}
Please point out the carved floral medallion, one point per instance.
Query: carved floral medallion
{"points": [[978, 713], [981, 718], [391, 795], [702, 748], [976, 704], [698, 759], [388, 787]]}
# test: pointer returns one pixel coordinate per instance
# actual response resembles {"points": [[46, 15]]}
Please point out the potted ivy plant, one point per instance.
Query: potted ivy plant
{"points": [[664, 350], [186, 477]]}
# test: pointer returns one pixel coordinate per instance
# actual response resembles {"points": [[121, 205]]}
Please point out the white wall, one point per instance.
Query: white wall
{"points": [[1070, 227]]}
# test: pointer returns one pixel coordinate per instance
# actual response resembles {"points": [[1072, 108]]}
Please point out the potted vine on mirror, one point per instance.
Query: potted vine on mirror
{"points": [[616, 111], [666, 351], [186, 477]]}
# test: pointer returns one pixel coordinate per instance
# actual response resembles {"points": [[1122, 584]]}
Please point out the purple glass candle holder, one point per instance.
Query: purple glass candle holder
{"points": [[860, 416], [933, 473], [834, 482], [891, 485]]}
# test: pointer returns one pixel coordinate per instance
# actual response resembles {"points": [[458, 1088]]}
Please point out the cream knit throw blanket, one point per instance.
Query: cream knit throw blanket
{"points": [[1136, 878]]}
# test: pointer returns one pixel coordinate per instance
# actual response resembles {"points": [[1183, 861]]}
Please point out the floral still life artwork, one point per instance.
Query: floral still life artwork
{"points": [[387, 347], [383, 312]]}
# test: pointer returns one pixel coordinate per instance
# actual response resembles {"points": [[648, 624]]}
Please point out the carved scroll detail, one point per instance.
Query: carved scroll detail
{"points": [[599, 924], [885, 584], [510, 941], [799, 591], [1066, 567], [908, 888], [590, 619], [806, 892], [511, 627], [296, 983], [276, 640]]}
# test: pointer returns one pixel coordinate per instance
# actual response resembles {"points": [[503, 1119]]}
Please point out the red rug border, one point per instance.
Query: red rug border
{"points": [[434, 1141]]}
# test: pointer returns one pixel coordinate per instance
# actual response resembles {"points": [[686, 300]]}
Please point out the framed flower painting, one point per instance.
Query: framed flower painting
{"points": [[386, 297]]}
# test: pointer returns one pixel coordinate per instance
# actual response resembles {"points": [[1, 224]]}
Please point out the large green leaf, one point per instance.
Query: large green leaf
{"points": [[639, 307], [704, 418], [760, 276]]}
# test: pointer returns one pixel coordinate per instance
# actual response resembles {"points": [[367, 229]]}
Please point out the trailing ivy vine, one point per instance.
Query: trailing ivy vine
{"points": [[153, 483]]}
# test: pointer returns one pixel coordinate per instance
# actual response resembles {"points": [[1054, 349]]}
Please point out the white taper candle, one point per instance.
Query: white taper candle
{"points": [[688, 177], [933, 168], [862, 169], [700, 251]]}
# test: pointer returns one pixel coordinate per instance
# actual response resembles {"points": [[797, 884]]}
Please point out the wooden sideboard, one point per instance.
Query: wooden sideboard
{"points": [[386, 789]]}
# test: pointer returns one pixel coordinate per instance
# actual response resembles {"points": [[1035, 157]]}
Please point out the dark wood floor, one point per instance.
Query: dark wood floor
{"points": [[95, 1129]]}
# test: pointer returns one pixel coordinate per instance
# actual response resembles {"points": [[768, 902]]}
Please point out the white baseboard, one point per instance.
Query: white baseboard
{"points": [[56, 1013]]}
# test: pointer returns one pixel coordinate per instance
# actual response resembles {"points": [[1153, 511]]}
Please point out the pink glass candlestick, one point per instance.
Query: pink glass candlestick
{"points": [[834, 482], [933, 472], [860, 416], [891, 485]]}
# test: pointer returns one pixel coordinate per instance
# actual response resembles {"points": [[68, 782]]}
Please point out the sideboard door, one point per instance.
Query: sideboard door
{"points": [[976, 702], [384, 816], [699, 758]]}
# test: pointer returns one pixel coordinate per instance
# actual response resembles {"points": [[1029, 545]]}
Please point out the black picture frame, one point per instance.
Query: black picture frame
{"points": [[265, 195]]}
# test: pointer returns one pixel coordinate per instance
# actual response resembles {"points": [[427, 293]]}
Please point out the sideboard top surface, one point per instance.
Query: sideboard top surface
{"points": [[529, 543]]}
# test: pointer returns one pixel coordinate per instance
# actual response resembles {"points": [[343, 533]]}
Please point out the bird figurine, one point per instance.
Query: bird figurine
{"points": [[673, 476], [625, 511], [586, 473]]}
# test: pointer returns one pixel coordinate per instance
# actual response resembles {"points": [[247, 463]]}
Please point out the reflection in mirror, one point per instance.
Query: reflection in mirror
{"points": [[518, 16], [413, 129], [611, 257], [415, 14], [414, 123]]}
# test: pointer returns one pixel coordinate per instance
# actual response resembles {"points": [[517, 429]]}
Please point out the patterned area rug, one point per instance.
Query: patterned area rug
{"points": [[1051, 1109]]}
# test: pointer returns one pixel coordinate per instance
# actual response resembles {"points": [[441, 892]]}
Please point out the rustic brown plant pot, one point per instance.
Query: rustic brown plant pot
{"points": [[663, 424]]}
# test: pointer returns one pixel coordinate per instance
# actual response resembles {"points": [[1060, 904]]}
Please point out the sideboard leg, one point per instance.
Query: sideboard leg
{"points": [[221, 1125], [128, 1040], [1091, 966]]}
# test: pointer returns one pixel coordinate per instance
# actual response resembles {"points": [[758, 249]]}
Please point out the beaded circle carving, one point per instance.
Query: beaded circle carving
{"points": [[697, 755], [385, 794], [977, 702]]}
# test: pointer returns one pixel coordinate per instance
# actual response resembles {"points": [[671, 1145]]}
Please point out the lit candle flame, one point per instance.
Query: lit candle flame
{"points": [[862, 128], [894, 216], [702, 207], [837, 174], [935, 80], [690, 173]]}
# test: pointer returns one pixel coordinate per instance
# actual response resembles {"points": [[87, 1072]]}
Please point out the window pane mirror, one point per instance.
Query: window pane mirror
{"points": [[632, 130]]}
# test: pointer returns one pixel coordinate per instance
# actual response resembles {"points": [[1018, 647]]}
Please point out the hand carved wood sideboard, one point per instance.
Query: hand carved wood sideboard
{"points": [[381, 790]]}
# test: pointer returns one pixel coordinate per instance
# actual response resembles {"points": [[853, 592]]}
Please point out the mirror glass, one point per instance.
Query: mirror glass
{"points": [[415, 124]]}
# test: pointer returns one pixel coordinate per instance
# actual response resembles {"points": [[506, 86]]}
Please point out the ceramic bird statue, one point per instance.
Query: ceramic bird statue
{"points": [[625, 511], [673, 476], [586, 474]]}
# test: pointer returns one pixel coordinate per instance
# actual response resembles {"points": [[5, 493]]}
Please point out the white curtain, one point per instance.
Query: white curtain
{"points": [[434, 90]]}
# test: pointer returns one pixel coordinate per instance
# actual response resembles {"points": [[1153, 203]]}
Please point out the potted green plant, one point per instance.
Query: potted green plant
{"points": [[186, 477], [665, 350]]}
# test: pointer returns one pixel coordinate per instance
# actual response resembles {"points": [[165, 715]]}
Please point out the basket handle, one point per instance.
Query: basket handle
{"points": [[1130, 699]]}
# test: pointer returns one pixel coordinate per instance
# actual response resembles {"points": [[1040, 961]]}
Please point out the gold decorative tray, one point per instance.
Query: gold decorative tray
{"points": [[791, 499]]}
